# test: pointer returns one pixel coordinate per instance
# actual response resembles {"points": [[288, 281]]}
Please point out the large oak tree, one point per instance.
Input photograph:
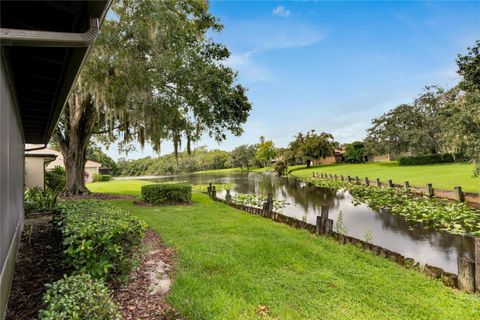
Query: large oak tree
{"points": [[153, 75]]}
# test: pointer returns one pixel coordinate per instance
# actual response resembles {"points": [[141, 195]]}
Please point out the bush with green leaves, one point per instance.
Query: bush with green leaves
{"points": [[99, 238], [56, 178], [430, 159], [280, 167], [78, 297], [97, 177], [167, 193], [37, 200]]}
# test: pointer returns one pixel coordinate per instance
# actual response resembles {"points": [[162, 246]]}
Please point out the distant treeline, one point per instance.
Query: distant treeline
{"points": [[199, 160]]}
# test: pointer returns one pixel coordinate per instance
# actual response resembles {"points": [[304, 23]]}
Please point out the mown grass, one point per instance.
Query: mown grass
{"points": [[124, 187], [442, 176], [230, 263]]}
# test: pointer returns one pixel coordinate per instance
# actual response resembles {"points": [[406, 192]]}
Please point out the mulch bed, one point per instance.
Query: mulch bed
{"points": [[39, 261], [144, 295]]}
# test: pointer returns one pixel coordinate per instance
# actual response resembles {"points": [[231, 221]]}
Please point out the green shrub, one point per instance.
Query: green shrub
{"points": [[97, 177], [167, 193], [280, 167], [78, 297], [99, 238], [36, 200], [430, 159], [56, 178]]}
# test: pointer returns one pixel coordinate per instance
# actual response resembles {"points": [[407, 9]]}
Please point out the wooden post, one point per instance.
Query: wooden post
{"points": [[209, 189], [318, 226], [214, 192], [477, 263], [407, 186], [459, 194], [390, 183], [367, 182], [430, 190], [228, 197], [325, 210], [329, 226], [466, 274], [270, 203], [379, 184]]}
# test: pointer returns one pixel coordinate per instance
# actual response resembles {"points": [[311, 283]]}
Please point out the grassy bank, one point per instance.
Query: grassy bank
{"points": [[124, 187], [442, 176], [231, 263]]}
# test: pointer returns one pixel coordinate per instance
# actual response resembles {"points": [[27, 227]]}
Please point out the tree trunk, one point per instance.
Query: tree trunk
{"points": [[73, 135], [74, 160]]}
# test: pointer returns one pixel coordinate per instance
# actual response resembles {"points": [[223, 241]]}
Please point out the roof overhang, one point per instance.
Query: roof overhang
{"points": [[44, 45]]}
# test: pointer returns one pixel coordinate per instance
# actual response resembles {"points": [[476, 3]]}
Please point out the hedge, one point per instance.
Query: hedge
{"points": [[430, 159], [78, 297], [97, 177], [167, 193], [98, 238]]}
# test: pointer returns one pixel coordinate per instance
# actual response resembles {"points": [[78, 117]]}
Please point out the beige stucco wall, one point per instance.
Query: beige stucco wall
{"points": [[11, 186], [34, 172], [91, 167], [90, 171]]}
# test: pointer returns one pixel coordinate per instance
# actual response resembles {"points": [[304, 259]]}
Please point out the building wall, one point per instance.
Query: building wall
{"points": [[327, 160], [34, 172], [11, 186], [90, 172]]}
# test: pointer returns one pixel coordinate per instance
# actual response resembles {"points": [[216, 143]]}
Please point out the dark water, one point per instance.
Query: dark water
{"points": [[392, 232]]}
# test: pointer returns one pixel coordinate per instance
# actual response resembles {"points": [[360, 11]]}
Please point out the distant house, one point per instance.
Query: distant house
{"points": [[43, 47], [338, 157], [91, 167], [388, 157], [35, 167]]}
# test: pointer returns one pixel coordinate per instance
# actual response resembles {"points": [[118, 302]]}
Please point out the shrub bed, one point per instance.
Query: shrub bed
{"points": [[97, 177], [167, 193], [430, 159], [78, 297], [99, 238]]}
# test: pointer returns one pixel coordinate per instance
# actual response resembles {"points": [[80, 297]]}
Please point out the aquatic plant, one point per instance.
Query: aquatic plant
{"points": [[257, 200], [441, 214], [339, 225], [218, 187], [368, 236]]}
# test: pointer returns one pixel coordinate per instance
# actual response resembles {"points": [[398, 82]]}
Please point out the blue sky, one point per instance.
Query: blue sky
{"points": [[333, 66]]}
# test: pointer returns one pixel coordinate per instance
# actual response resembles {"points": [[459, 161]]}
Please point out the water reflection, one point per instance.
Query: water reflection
{"points": [[305, 202]]}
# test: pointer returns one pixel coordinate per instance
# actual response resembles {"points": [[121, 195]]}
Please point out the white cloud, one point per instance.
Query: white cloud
{"points": [[247, 68], [281, 11]]}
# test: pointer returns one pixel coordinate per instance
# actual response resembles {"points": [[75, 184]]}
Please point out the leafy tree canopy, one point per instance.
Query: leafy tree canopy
{"points": [[153, 75]]}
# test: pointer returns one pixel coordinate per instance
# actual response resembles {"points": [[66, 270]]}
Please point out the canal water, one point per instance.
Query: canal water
{"points": [[426, 246]]}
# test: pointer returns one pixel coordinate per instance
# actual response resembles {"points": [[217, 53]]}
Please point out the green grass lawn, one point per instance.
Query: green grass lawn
{"points": [[232, 262], [125, 187], [442, 176]]}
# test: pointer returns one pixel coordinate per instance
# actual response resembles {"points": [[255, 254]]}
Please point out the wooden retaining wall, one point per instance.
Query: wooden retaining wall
{"points": [[457, 194], [467, 280]]}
